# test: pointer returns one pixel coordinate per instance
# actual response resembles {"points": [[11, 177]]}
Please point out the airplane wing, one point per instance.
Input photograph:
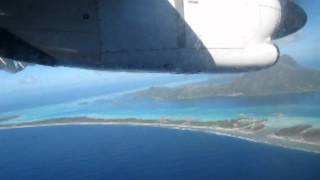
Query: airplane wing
{"points": [[180, 36]]}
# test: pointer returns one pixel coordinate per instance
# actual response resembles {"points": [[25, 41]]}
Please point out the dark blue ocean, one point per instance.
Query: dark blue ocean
{"points": [[126, 152]]}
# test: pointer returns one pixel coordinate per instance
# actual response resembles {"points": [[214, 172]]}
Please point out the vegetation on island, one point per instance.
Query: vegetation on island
{"points": [[286, 77]]}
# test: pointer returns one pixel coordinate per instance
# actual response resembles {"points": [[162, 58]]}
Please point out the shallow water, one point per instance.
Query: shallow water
{"points": [[281, 111]]}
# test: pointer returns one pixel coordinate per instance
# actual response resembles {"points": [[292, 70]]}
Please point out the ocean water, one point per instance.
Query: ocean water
{"points": [[127, 152], [281, 111]]}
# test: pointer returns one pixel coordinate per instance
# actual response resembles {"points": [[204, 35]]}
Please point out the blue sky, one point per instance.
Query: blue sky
{"points": [[304, 46], [42, 78]]}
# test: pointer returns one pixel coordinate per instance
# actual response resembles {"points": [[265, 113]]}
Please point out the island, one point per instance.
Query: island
{"points": [[303, 133], [285, 78], [241, 125], [302, 137]]}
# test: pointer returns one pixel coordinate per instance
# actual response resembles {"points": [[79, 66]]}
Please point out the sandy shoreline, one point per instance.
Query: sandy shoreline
{"points": [[230, 132], [173, 126]]}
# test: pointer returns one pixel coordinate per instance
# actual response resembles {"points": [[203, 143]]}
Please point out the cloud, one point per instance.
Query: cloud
{"points": [[28, 80]]}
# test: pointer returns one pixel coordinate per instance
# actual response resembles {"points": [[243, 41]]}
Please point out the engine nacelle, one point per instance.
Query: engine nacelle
{"points": [[254, 56], [237, 33]]}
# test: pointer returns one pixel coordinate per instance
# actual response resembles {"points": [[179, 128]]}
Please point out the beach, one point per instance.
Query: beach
{"points": [[241, 128]]}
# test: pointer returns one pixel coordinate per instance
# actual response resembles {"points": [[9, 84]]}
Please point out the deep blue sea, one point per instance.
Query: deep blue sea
{"points": [[127, 152]]}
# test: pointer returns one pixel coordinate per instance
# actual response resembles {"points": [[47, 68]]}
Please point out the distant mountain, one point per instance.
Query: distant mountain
{"points": [[285, 77]]}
